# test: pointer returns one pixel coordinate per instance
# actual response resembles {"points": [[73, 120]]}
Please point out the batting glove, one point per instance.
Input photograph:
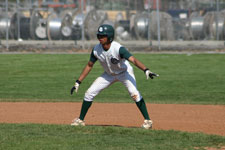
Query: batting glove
{"points": [[75, 87], [150, 74]]}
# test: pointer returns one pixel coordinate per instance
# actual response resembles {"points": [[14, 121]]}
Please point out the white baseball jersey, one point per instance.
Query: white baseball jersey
{"points": [[116, 67], [111, 60]]}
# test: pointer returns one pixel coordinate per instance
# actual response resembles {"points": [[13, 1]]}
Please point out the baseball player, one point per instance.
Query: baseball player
{"points": [[114, 59]]}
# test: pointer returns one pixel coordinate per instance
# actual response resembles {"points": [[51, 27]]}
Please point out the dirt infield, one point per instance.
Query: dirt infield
{"points": [[208, 119]]}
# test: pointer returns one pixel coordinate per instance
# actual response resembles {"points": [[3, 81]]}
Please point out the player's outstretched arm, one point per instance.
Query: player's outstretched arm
{"points": [[141, 66], [137, 63], [84, 73]]}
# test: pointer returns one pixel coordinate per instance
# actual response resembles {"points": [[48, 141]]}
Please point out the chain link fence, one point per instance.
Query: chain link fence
{"points": [[150, 23]]}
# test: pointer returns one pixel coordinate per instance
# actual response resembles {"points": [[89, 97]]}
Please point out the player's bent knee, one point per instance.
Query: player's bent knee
{"points": [[88, 97], [136, 97]]}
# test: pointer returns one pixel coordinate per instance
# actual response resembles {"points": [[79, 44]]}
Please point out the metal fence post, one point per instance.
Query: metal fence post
{"points": [[18, 21], [217, 20], [82, 28], [149, 26], [7, 25], [158, 24]]}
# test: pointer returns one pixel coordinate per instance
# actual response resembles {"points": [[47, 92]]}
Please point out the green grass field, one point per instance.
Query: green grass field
{"points": [[194, 79], [187, 79], [65, 137]]}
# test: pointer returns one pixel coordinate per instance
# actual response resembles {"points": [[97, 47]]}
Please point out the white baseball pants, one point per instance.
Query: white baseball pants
{"points": [[105, 80]]}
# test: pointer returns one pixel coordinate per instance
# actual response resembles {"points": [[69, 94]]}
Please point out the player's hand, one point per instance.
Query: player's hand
{"points": [[75, 87], [150, 74]]}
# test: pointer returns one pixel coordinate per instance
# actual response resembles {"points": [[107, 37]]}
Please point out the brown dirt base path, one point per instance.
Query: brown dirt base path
{"points": [[209, 119]]}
